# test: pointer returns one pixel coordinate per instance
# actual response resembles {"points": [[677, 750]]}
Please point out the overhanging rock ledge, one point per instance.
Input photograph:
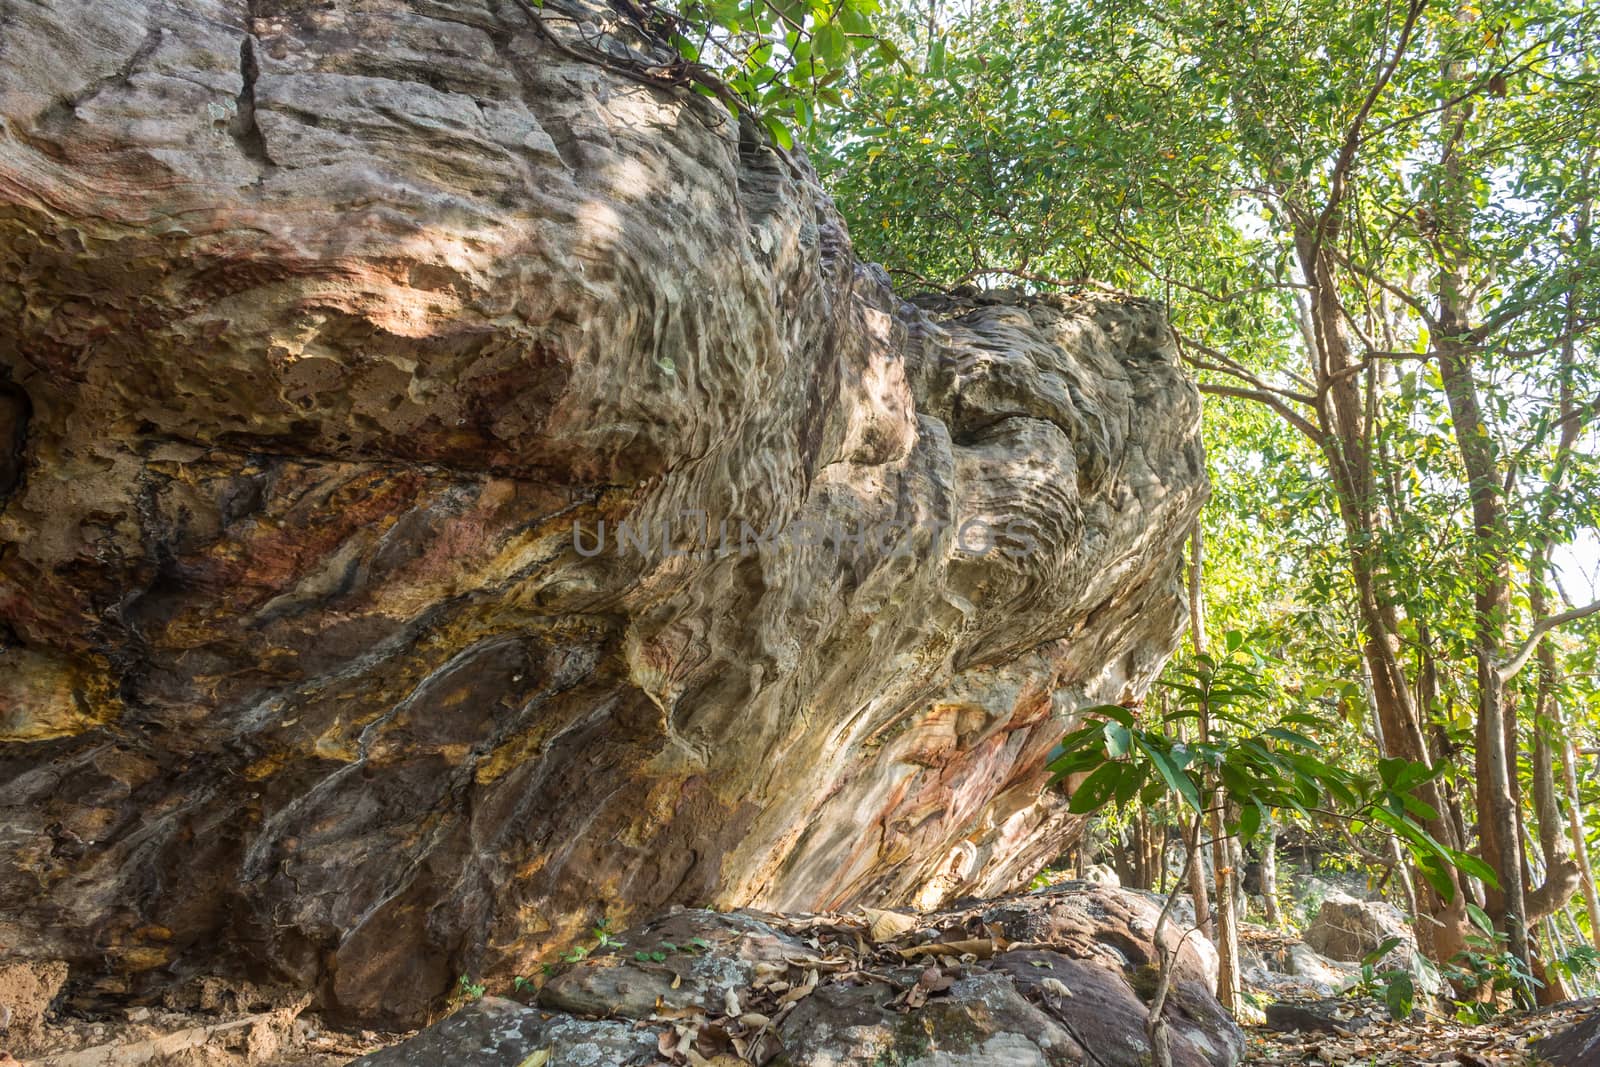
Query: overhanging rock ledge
{"points": [[321, 326]]}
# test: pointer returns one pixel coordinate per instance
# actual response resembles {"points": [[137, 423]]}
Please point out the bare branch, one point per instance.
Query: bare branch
{"points": [[1510, 667]]}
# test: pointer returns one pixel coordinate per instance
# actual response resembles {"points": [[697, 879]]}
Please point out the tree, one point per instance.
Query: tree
{"points": [[1364, 221]]}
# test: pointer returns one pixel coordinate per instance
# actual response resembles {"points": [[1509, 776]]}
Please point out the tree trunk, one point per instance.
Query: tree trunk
{"points": [[1225, 899], [1269, 872], [1580, 840], [1490, 565], [1228, 988], [1497, 813], [1197, 888], [1561, 872], [1347, 448], [1197, 637]]}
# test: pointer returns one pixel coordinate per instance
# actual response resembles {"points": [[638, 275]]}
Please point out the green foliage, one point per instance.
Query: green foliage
{"points": [[1581, 963], [1395, 987], [780, 59], [667, 948], [601, 933], [1246, 772], [1486, 965], [1188, 152], [468, 988]]}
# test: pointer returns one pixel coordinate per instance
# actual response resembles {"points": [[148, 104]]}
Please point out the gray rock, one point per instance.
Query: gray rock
{"points": [[494, 1032], [707, 956], [1075, 996], [984, 1023], [1349, 929], [1328, 1016], [1576, 1046]]}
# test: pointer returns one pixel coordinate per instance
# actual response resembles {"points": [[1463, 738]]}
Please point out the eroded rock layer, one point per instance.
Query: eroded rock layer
{"points": [[330, 336]]}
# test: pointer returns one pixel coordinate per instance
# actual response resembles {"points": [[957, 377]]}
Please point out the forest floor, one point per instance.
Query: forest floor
{"points": [[1505, 1042], [218, 1024]]}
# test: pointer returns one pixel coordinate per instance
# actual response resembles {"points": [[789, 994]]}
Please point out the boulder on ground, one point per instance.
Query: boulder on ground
{"points": [[446, 484], [1330, 1015], [1576, 1046], [1040, 980], [1350, 929]]}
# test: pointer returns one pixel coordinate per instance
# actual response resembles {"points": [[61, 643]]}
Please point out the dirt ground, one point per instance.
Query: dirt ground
{"points": [[208, 1023]]}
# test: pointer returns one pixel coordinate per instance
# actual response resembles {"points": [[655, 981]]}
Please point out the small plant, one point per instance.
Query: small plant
{"points": [[1486, 965], [666, 948], [1580, 964], [468, 988], [1396, 988], [520, 982], [602, 934], [603, 938]]}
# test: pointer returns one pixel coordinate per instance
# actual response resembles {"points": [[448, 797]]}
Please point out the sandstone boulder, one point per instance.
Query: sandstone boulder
{"points": [[1349, 929], [330, 336]]}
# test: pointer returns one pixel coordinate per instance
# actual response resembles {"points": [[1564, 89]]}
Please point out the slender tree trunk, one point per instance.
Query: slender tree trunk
{"points": [[1197, 888], [1155, 1019], [1227, 939], [1561, 872], [1569, 859], [1491, 570], [1269, 872], [1228, 988], [1497, 813], [1197, 631], [1347, 446], [1580, 841]]}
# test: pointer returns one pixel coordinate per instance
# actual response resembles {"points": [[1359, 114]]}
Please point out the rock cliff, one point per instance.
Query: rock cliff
{"points": [[331, 337]]}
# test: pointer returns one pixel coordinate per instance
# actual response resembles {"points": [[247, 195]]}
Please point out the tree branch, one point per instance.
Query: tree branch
{"points": [[1510, 667]]}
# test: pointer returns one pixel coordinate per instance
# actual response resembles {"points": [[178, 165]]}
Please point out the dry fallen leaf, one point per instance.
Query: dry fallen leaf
{"points": [[982, 949], [800, 991], [887, 925]]}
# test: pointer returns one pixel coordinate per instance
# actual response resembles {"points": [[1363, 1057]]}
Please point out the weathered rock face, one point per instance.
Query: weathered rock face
{"points": [[1349, 929], [1047, 980], [322, 327]]}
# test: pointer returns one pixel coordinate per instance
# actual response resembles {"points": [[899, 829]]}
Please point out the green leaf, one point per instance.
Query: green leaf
{"points": [[1115, 712], [1386, 946], [1119, 739], [1470, 864], [1130, 783], [1400, 996], [1250, 821], [1420, 809], [1177, 780], [1279, 733], [780, 131], [828, 42], [1096, 789]]}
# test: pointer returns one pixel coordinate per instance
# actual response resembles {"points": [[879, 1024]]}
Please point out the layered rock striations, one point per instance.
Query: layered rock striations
{"points": [[330, 336]]}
